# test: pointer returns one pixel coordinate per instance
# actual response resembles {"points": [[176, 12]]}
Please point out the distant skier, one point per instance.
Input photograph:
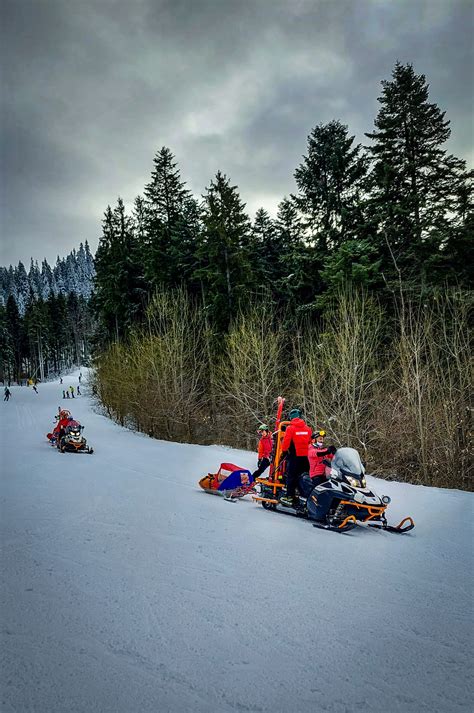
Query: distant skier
{"points": [[60, 379], [64, 394], [80, 377], [71, 389], [78, 389], [265, 445], [67, 394], [8, 393]]}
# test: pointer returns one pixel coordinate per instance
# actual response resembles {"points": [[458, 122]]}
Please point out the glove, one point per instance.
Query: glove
{"points": [[332, 449]]}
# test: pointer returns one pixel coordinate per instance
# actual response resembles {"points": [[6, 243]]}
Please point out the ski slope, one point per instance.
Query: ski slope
{"points": [[127, 589]]}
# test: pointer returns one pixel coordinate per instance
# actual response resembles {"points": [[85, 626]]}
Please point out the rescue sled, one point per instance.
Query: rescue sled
{"points": [[231, 482]]}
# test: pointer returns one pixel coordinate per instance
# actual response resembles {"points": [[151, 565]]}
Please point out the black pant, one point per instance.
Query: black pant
{"points": [[262, 464], [296, 466]]}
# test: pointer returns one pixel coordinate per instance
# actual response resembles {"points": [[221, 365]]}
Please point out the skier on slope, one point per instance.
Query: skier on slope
{"points": [[295, 447], [265, 445], [7, 393]]}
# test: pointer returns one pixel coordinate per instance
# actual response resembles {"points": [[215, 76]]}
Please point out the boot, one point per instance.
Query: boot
{"points": [[287, 502]]}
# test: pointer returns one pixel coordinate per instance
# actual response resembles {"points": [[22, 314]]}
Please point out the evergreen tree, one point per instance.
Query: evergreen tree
{"points": [[298, 282], [224, 250], [34, 278], [166, 200], [15, 331], [22, 287], [7, 360], [266, 250], [330, 183], [47, 282], [120, 288], [414, 182]]}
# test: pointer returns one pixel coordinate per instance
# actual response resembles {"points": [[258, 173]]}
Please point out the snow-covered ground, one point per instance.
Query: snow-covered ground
{"points": [[127, 589]]}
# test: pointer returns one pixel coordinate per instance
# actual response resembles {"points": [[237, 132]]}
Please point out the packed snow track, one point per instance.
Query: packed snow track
{"points": [[127, 589]]}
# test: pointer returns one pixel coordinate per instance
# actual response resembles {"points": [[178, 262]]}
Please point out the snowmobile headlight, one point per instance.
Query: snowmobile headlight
{"points": [[386, 500], [364, 482], [353, 481]]}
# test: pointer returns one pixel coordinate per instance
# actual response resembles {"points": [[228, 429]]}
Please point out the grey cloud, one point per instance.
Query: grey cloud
{"points": [[92, 89]]}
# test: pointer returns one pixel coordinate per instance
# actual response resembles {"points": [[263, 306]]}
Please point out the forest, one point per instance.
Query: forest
{"points": [[46, 321], [354, 301]]}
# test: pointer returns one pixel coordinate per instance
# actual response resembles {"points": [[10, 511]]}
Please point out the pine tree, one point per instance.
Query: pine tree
{"points": [[7, 360], [266, 250], [224, 250], [22, 287], [120, 289], [34, 278], [166, 200], [15, 331], [330, 183], [414, 181], [47, 281], [298, 282]]}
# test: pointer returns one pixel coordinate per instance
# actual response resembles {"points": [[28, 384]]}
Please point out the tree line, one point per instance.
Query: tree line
{"points": [[354, 302], [396, 210], [74, 273]]}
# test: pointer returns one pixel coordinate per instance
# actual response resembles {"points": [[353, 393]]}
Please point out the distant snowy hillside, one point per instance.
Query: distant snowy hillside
{"points": [[74, 273]]}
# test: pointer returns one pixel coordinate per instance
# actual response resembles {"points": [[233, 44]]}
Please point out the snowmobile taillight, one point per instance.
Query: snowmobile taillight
{"points": [[386, 500]]}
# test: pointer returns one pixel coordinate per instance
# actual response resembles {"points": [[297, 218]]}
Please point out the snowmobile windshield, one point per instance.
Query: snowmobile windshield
{"points": [[348, 461]]}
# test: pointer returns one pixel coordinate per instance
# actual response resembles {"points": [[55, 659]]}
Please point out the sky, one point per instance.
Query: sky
{"points": [[92, 89]]}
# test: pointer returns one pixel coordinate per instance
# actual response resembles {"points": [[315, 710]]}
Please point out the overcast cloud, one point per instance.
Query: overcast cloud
{"points": [[91, 89]]}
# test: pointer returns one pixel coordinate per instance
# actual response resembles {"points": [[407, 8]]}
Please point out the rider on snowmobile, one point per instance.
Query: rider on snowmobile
{"points": [[317, 453], [295, 445], [64, 419]]}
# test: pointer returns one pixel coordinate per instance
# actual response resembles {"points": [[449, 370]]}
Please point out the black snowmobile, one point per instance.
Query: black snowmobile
{"points": [[73, 441], [340, 504]]}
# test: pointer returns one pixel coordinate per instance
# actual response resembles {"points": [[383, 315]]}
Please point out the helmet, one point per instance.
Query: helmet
{"points": [[316, 434], [263, 427], [294, 413], [64, 414]]}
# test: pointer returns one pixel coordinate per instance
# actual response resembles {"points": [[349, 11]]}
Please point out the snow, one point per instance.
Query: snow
{"points": [[128, 589]]}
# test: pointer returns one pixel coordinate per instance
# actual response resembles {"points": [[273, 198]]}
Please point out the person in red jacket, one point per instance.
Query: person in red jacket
{"points": [[295, 447], [265, 446], [317, 452], [64, 417]]}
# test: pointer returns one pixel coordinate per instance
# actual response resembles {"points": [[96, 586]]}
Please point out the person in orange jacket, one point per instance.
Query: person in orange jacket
{"points": [[265, 446], [295, 448]]}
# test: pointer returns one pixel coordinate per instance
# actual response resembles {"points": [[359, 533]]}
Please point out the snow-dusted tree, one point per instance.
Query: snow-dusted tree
{"points": [[34, 277], [22, 287]]}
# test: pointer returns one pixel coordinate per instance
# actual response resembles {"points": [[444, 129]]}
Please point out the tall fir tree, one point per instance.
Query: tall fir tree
{"points": [[415, 183], [330, 185], [120, 290], [166, 199], [298, 282], [224, 271]]}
